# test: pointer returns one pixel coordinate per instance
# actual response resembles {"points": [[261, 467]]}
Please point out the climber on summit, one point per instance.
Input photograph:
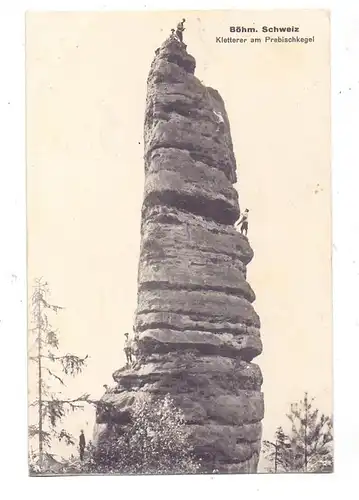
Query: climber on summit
{"points": [[180, 29], [243, 222], [174, 34], [128, 350]]}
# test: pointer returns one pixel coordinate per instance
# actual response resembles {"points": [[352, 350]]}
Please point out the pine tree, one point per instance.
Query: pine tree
{"points": [[311, 437], [308, 445], [51, 407], [278, 453]]}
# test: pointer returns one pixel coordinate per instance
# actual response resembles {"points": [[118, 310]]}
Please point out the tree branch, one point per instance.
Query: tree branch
{"points": [[54, 375]]}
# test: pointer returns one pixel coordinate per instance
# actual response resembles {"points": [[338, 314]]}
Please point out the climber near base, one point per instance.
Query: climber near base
{"points": [[243, 222], [128, 350], [180, 29], [82, 444]]}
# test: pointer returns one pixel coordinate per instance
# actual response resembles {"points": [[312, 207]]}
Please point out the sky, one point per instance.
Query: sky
{"points": [[86, 91]]}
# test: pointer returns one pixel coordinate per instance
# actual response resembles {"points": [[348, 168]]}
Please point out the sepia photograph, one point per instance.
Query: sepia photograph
{"points": [[179, 242]]}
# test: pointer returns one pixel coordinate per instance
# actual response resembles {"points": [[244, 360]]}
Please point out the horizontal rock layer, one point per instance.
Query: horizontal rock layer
{"points": [[197, 329]]}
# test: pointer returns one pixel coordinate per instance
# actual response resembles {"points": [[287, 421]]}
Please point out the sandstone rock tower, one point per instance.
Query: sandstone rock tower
{"points": [[197, 329]]}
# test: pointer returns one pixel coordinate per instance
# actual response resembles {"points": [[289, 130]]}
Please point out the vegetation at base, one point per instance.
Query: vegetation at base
{"points": [[307, 447]]}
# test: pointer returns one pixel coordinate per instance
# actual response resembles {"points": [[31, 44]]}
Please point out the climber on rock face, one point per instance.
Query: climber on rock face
{"points": [[243, 222], [128, 350], [180, 30], [220, 120], [134, 347]]}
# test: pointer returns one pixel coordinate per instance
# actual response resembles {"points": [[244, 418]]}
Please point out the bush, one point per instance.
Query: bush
{"points": [[156, 442]]}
